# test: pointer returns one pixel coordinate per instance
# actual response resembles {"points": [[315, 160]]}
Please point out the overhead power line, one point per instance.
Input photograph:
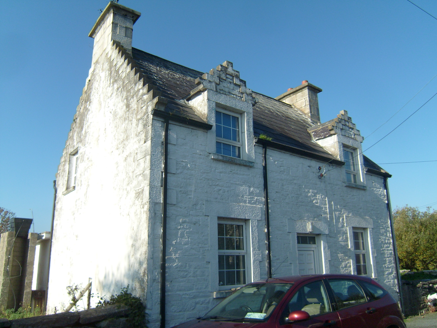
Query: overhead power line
{"points": [[401, 122], [401, 107], [422, 9], [414, 162]]}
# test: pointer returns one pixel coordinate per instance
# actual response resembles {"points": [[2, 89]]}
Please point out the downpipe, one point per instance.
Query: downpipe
{"points": [[267, 213], [395, 249], [164, 225]]}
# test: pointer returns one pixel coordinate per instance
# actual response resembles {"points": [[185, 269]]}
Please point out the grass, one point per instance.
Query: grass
{"points": [[21, 313]]}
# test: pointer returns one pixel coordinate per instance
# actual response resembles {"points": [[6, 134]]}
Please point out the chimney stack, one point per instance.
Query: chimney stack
{"points": [[115, 23], [304, 98]]}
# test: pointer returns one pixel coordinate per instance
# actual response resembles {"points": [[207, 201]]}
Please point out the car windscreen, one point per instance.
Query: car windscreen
{"points": [[253, 302]]}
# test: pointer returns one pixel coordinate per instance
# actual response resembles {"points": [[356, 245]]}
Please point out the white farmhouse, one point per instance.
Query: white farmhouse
{"points": [[184, 184]]}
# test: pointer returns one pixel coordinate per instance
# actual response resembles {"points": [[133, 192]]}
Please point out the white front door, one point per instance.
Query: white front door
{"points": [[306, 262]]}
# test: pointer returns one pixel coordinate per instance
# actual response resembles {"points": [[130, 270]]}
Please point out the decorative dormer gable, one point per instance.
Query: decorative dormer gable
{"points": [[341, 125], [225, 80], [341, 138], [224, 101]]}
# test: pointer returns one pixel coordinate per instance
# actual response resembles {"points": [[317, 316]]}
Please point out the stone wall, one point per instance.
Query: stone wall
{"points": [[114, 316], [17, 255], [414, 295], [202, 191]]}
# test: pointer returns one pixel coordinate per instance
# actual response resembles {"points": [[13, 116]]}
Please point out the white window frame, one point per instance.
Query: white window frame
{"points": [[237, 144], [350, 155], [72, 169], [228, 252], [361, 252]]}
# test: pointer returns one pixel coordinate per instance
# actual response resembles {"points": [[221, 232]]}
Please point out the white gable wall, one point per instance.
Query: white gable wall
{"points": [[101, 225]]}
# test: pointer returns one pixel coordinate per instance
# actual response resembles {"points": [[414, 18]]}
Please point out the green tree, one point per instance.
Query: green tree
{"points": [[5, 217], [416, 238]]}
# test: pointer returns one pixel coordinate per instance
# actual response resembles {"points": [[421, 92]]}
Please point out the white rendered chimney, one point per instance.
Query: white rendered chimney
{"points": [[115, 23]]}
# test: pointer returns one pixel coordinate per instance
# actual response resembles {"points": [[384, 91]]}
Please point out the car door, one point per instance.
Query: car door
{"points": [[353, 306], [312, 298]]}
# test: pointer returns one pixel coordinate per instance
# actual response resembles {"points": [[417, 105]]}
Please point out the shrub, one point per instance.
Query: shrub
{"points": [[137, 317]]}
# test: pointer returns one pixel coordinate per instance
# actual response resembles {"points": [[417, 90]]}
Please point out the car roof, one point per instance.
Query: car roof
{"points": [[298, 279]]}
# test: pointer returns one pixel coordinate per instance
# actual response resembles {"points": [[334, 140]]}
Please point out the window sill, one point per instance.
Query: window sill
{"points": [[355, 185], [232, 160], [69, 190]]}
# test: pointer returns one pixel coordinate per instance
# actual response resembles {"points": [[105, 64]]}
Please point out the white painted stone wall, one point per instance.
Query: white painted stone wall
{"points": [[101, 228], [201, 190]]}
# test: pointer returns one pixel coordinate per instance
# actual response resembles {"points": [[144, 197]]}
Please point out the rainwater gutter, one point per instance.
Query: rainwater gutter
{"points": [[267, 212], [395, 249], [164, 223]]}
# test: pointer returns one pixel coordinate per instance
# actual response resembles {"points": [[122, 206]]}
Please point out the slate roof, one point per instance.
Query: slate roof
{"points": [[277, 122]]}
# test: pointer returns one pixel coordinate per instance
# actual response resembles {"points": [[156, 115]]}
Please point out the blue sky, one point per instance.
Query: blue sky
{"points": [[372, 58]]}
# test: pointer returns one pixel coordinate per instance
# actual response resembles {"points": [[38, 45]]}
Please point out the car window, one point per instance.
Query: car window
{"points": [[347, 293], [311, 298], [253, 302], [375, 292]]}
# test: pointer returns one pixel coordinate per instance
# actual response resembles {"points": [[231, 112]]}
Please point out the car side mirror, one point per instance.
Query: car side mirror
{"points": [[297, 316]]}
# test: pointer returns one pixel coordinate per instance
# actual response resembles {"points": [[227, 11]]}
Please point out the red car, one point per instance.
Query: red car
{"points": [[306, 301]]}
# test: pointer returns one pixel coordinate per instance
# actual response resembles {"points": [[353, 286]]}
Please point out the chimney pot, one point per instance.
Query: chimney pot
{"points": [[304, 81]]}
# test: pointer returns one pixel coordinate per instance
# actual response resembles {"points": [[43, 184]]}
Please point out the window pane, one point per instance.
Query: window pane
{"points": [[235, 122], [240, 263], [218, 117], [221, 243], [230, 262], [227, 150], [358, 240], [221, 262], [311, 298], [238, 230], [230, 278], [239, 244], [347, 160], [236, 152], [230, 244], [375, 292], [221, 229], [347, 293], [218, 146], [234, 136], [312, 240], [230, 230], [360, 260], [226, 133], [226, 119], [222, 280], [240, 277], [219, 131]]}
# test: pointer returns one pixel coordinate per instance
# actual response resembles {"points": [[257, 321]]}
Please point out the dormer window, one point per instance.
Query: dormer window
{"points": [[228, 140], [351, 167]]}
